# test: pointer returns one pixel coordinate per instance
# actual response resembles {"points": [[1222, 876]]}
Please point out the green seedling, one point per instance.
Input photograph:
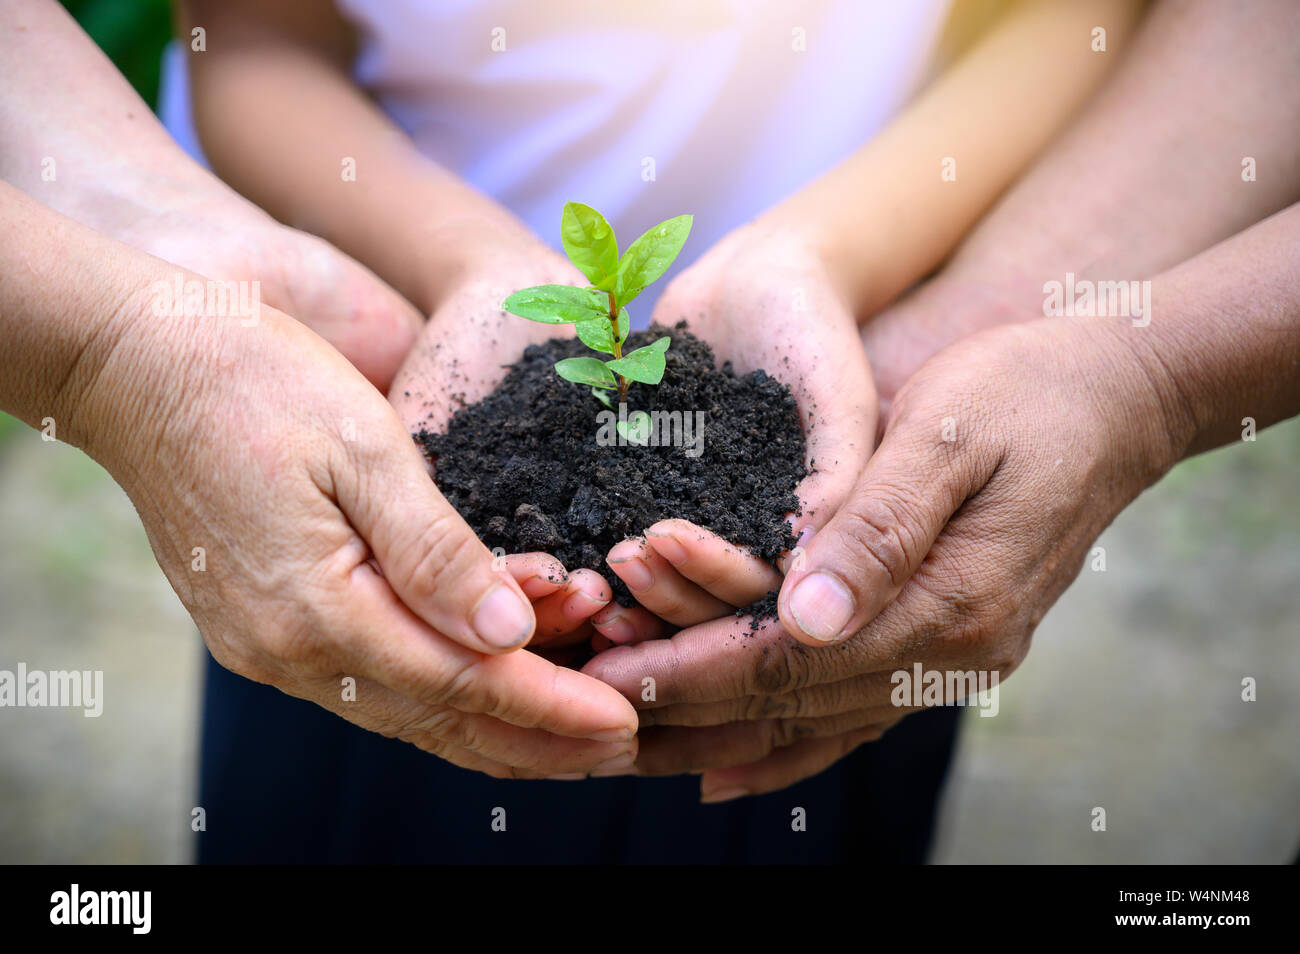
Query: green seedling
{"points": [[598, 312]]}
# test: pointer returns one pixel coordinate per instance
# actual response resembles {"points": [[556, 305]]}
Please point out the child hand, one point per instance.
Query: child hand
{"points": [[681, 575], [563, 602]]}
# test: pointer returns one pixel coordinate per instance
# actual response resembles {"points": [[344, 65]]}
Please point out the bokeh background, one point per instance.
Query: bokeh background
{"points": [[1130, 699]]}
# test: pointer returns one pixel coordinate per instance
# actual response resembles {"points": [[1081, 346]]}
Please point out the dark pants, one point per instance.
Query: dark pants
{"points": [[284, 781]]}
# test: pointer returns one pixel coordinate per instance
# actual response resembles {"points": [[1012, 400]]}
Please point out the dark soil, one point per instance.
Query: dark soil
{"points": [[524, 468]]}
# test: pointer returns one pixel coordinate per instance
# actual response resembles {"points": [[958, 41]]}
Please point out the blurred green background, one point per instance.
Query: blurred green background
{"points": [[132, 33], [1130, 699]]}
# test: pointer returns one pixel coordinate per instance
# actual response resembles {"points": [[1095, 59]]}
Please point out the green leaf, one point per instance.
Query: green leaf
{"points": [[636, 429], [644, 364], [649, 257], [586, 371], [603, 398], [597, 334], [589, 241], [557, 304]]}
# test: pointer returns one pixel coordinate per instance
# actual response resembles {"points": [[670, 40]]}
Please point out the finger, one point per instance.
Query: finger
{"points": [[429, 555], [628, 625], [856, 564], [660, 588], [567, 612], [538, 574], [714, 661], [728, 572], [784, 767], [437, 728], [671, 750], [734, 659], [876, 691], [387, 643]]}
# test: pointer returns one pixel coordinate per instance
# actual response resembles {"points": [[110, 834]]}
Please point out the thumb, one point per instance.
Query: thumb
{"points": [[855, 565], [430, 556]]}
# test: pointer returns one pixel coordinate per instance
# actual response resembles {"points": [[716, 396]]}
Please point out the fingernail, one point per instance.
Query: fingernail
{"points": [[667, 547], [723, 795], [821, 606], [635, 573], [617, 630], [612, 735], [502, 618], [568, 777], [619, 765]]}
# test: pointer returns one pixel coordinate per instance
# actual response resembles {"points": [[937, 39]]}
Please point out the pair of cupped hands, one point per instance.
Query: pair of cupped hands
{"points": [[946, 512]]}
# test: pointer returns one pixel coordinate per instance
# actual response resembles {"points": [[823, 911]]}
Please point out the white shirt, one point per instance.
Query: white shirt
{"points": [[644, 109]]}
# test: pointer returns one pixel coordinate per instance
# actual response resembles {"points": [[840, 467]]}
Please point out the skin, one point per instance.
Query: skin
{"points": [[420, 229], [329, 551], [117, 171], [336, 579], [810, 250], [919, 569], [970, 542]]}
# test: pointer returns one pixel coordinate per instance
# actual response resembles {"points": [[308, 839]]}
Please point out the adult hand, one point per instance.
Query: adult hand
{"points": [[290, 510], [1005, 457], [110, 165], [182, 214]]}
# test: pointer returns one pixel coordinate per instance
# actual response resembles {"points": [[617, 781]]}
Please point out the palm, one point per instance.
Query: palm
{"points": [[469, 341], [762, 302]]}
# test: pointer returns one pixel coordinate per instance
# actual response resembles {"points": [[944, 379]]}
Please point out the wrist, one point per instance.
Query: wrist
{"points": [[1151, 424], [475, 250], [434, 254]]}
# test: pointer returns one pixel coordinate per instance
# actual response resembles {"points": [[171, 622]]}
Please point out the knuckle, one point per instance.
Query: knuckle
{"points": [[877, 528], [778, 670], [462, 690], [787, 732], [441, 549], [441, 722], [773, 706]]}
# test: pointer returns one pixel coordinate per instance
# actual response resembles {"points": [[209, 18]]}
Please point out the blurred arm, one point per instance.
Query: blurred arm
{"points": [[886, 217], [406, 217]]}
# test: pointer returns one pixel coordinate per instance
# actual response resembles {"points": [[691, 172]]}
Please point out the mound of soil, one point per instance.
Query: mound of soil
{"points": [[525, 468]]}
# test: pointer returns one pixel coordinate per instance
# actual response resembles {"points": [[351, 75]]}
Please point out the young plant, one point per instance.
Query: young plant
{"points": [[599, 312]]}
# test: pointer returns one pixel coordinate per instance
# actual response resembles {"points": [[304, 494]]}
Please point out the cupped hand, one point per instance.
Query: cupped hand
{"points": [[295, 518], [1005, 457], [762, 298], [469, 341]]}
